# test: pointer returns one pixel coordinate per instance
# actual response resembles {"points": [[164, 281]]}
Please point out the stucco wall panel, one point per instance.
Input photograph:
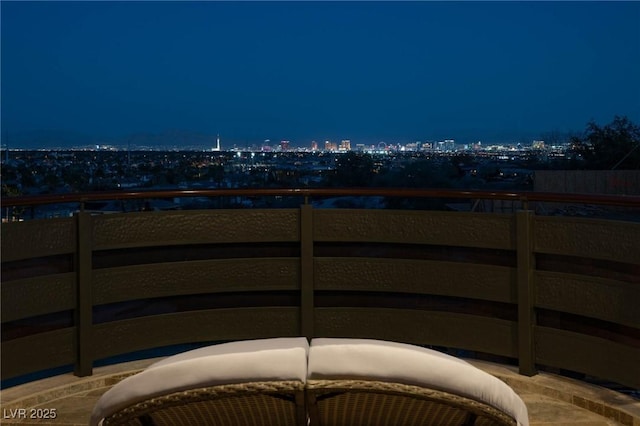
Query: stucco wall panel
{"points": [[484, 282], [38, 296], [38, 352], [444, 228], [588, 354], [118, 337], [37, 238], [600, 298], [193, 227], [182, 278], [598, 239], [471, 332]]}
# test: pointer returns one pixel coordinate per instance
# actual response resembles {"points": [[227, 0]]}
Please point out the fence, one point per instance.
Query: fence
{"points": [[552, 291]]}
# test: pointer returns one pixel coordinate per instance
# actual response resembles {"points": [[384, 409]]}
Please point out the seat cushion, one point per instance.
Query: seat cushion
{"points": [[280, 359], [364, 359]]}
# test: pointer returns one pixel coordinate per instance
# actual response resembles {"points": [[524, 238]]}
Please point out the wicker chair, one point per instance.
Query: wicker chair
{"points": [[256, 382], [359, 382], [335, 382]]}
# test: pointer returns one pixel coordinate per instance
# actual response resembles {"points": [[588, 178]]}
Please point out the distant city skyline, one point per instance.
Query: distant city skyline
{"points": [[301, 71], [195, 141]]}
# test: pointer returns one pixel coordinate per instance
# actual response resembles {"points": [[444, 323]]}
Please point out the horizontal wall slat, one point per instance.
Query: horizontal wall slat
{"points": [[196, 277], [31, 297], [594, 297], [462, 331], [587, 354], [598, 239], [37, 238], [119, 337], [195, 227], [38, 352], [485, 282], [494, 231]]}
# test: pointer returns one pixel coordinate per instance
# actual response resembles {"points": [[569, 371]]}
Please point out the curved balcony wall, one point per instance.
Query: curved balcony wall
{"points": [[546, 291]]}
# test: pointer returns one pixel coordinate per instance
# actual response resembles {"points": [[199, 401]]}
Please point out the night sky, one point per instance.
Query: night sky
{"points": [[302, 71]]}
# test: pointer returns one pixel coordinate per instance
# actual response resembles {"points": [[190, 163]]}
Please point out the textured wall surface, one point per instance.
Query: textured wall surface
{"points": [[39, 352], [598, 239], [485, 282], [36, 238], [199, 326], [207, 276], [626, 182], [600, 298], [471, 332], [442, 228], [588, 354], [193, 227], [38, 296]]}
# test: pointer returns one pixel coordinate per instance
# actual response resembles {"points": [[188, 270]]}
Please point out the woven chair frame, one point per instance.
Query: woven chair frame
{"points": [[316, 390], [134, 414], [305, 398]]}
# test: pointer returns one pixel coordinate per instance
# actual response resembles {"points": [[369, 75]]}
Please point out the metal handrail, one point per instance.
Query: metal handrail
{"points": [[523, 196]]}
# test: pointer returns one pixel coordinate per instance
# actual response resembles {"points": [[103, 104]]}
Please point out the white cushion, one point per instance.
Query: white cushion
{"points": [[236, 362], [412, 365]]}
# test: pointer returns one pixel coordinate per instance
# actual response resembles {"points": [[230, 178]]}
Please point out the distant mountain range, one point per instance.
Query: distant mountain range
{"points": [[64, 139], [171, 138], [38, 139]]}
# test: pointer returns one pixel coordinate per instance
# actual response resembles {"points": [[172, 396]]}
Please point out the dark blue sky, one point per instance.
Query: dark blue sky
{"points": [[366, 71]]}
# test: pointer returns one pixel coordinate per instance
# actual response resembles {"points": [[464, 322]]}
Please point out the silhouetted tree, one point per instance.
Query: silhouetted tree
{"points": [[558, 137], [614, 146], [216, 172]]}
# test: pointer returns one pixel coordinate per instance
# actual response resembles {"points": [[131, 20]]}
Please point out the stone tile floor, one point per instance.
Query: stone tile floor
{"points": [[550, 399]]}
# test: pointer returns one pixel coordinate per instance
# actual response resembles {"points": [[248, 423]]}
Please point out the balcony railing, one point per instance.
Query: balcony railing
{"points": [[559, 292]]}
